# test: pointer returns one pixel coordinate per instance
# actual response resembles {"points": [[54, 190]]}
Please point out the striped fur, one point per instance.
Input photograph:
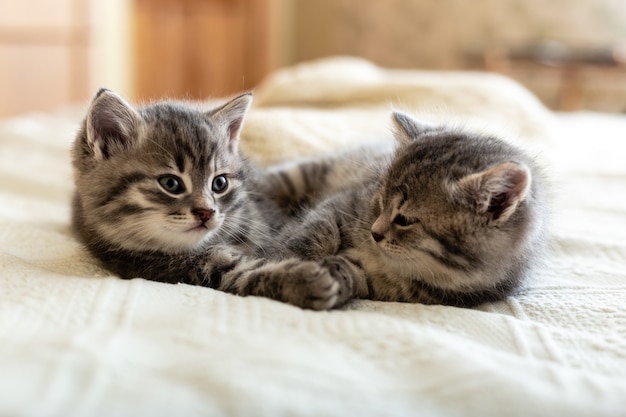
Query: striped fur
{"points": [[455, 218], [299, 185], [448, 218], [149, 203]]}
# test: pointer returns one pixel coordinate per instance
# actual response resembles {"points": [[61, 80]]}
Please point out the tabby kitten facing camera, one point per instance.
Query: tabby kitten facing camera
{"points": [[161, 192], [456, 219]]}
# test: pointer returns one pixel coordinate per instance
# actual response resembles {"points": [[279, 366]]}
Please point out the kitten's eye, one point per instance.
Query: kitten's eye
{"points": [[403, 221], [220, 184], [172, 184]]}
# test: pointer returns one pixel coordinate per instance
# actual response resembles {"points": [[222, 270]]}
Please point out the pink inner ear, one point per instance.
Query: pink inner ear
{"points": [[495, 192], [109, 133], [234, 128], [112, 124], [515, 182], [497, 205], [507, 185]]}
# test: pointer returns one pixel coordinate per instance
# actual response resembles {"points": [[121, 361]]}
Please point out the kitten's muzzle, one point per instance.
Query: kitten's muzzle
{"points": [[204, 215], [377, 236]]}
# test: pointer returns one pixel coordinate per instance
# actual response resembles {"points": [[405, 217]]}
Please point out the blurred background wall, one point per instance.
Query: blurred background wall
{"points": [[55, 52], [438, 34]]}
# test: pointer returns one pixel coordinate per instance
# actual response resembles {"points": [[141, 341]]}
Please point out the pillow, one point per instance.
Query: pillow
{"points": [[336, 102]]}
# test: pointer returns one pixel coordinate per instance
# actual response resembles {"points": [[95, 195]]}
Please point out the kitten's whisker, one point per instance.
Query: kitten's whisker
{"points": [[235, 232], [157, 144], [359, 221]]}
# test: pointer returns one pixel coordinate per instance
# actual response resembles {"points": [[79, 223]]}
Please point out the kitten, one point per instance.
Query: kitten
{"points": [[161, 192], [455, 218]]}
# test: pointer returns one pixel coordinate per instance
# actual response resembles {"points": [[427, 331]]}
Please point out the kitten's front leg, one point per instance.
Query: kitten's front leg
{"points": [[349, 274], [316, 236], [317, 285], [305, 284], [321, 284]]}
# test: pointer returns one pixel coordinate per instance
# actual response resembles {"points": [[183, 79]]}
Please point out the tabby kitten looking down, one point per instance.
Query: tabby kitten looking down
{"points": [[455, 218]]}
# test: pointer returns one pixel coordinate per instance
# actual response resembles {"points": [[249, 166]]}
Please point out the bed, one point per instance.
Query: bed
{"points": [[76, 341]]}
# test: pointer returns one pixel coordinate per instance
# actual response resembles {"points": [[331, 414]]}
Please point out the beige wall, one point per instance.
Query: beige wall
{"points": [[394, 33], [439, 34]]}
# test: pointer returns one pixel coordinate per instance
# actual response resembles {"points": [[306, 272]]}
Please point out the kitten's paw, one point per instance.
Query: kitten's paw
{"points": [[225, 254], [306, 284], [313, 287]]}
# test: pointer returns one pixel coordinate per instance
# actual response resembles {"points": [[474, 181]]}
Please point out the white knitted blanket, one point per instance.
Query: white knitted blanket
{"points": [[75, 341]]}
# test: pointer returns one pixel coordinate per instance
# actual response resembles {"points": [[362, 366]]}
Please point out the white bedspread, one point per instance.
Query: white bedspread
{"points": [[75, 341]]}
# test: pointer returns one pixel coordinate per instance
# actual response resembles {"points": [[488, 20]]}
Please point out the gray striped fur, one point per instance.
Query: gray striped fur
{"points": [[455, 218], [416, 225], [136, 228]]}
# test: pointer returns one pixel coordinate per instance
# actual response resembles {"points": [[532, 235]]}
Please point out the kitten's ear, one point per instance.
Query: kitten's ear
{"points": [[495, 192], [231, 116], [407, 128], [112, 124]]}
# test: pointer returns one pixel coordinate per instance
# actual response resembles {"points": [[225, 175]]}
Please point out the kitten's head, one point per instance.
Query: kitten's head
{"points": [[457, 206], [162, 177]]}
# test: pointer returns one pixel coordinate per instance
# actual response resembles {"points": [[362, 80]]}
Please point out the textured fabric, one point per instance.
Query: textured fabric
{"points": [[75, 341]]}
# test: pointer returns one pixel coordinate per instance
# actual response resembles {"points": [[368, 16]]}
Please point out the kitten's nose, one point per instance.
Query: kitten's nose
{"points": [[203, 215], [377, 236]]}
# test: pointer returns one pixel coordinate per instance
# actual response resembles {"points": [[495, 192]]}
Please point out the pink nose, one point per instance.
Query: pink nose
{"points": [[203, 215]]}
